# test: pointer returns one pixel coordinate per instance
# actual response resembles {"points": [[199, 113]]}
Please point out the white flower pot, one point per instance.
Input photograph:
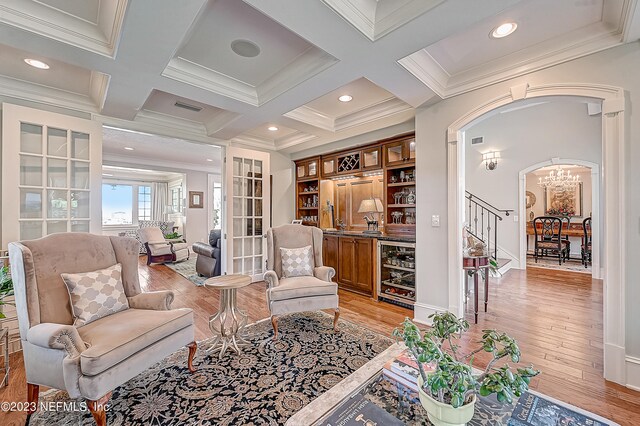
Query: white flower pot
{"points": [[444, 414]]}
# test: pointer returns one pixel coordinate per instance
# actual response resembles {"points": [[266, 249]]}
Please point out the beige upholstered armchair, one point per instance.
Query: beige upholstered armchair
{"points": [[90, 360], [159, 249], [300, 293]]}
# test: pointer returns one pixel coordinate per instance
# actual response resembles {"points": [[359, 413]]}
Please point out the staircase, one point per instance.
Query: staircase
{"points": [[483, 219]]}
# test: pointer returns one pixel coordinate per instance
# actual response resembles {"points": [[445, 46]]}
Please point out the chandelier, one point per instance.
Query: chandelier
{"points": [[559, 179]]}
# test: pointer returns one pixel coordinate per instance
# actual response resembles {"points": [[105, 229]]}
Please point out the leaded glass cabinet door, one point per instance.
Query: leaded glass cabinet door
{"points": [[51, 171], [248, 211]]}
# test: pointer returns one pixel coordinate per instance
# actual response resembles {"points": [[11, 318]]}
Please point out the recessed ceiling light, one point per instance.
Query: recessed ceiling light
{"points": [[128, 148], [273, 128], [504, 30], [209, 159], [37, 64], [245, 48], [345, 98]]}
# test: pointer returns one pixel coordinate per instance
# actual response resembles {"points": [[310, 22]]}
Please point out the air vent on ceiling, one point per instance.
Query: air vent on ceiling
{"points": [[187, 106], [478, 140]]}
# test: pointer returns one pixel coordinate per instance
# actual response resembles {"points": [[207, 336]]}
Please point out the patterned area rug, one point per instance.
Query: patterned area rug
{"points": [[188, 270], [269, 382], [552, 263]]}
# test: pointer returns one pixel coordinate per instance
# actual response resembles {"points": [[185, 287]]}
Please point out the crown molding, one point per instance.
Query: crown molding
{"points": [[312, 117], [383, 109], [363, 14], [188, 72], [581, 42], [169, 121], [220, 121], [52, 23], [308, 64], [98, 86], [161, 125], [254, 141], [305, 66], [294, 139], [47, 95]]}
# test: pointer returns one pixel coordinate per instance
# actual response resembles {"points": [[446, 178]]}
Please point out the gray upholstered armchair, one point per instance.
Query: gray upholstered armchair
{"points": [[302, 293], [91, 360], [161, 250]]}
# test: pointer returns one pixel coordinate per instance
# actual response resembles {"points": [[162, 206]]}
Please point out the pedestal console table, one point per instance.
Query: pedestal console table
{"points": [[475, 264], [227, 324]]}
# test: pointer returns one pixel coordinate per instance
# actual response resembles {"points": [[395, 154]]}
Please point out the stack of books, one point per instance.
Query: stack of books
{"points": [[404, 370]]}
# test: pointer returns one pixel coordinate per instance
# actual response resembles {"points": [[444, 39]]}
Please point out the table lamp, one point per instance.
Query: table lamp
{"points": [[371, 206]]}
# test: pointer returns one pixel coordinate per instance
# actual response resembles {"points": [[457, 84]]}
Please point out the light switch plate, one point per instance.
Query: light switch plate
{"points": [[515, 218], [435, 220]]}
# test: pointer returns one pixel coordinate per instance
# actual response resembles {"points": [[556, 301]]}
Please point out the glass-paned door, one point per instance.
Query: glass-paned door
{"points": [[53, 170], [247, 196]]}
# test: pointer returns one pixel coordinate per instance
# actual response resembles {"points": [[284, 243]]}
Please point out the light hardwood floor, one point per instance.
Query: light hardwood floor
{"points": [[555, 316]]}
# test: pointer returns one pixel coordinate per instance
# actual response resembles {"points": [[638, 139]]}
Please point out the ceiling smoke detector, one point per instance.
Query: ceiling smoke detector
{"points": [[245, 48], [193, 108]]}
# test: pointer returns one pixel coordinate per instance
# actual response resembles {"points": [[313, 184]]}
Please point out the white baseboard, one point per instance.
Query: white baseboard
{"points": [[421, 312], [614, 363], [633, 372]]}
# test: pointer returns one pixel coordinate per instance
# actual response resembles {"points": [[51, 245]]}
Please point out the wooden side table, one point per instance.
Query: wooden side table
{"points": [[227, 324], [476, 264], [4, 336]]}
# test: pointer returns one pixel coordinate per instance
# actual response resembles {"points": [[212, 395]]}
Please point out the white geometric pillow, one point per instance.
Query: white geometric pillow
{"points": [[297, 262], [96, 294]]}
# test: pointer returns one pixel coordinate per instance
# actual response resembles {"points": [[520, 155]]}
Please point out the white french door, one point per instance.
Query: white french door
{"points": [[51, 174], [247, 196]]}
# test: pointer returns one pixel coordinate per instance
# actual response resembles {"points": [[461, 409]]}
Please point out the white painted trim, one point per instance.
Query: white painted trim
{"points": [[312, 117], [422, 310], [608, 33], [66, 28], [613, 122], [633, 372], [595, 208]]}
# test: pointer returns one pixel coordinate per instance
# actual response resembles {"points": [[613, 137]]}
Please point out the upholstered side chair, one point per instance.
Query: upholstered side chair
{"points": [[90, 360], [302, 293], [209, 255], [161, 250]]}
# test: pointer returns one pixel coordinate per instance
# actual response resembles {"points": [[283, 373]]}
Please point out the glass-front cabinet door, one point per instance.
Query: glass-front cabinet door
{"points": [[247, 189], [54, 172], [329, 166], [371, 159]]}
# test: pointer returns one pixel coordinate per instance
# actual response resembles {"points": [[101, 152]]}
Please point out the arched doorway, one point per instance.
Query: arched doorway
{"points": [[613, 121], [594, 208]]}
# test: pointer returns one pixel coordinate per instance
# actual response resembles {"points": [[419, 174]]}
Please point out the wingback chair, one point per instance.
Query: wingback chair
{"points": [[303, 293], [160, 250], [90, 360]]}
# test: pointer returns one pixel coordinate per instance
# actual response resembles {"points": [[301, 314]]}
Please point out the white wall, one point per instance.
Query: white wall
{"points": [[283, 189], [196, 224], [611, 67], [524, 137]]}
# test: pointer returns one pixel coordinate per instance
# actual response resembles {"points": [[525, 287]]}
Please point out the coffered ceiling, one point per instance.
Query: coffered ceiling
{"points": [[224, 71]]}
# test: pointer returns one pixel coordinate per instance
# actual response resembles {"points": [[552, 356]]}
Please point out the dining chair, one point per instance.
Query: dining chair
{"points": [[586, 242], [548, 237]]}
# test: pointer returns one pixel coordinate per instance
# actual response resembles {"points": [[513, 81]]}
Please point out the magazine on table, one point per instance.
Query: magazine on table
{"points": [[359, 411], [534, 409]]}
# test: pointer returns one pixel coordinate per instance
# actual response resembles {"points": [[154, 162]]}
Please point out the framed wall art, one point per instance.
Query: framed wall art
{"points": [[196, 199]]}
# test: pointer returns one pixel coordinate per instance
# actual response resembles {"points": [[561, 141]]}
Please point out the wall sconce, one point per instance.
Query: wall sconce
{"points": [[491, 159]]}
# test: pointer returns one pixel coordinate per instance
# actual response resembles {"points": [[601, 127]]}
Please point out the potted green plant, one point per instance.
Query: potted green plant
{"points": [[448, 393], [6, 289]]}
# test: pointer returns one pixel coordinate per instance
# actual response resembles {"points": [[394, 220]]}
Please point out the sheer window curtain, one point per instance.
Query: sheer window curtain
{"points": [[159, 200]]}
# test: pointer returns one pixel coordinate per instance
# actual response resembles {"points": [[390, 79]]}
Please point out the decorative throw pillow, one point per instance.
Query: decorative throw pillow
{"points": [[96, 294], [297, 262]]}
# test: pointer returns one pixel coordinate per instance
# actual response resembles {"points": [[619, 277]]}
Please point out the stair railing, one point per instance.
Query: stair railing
{"points": [[483, 221]]}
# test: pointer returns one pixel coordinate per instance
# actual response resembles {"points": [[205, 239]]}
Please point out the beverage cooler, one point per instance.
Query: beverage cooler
{"points": [[397, 273]]}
